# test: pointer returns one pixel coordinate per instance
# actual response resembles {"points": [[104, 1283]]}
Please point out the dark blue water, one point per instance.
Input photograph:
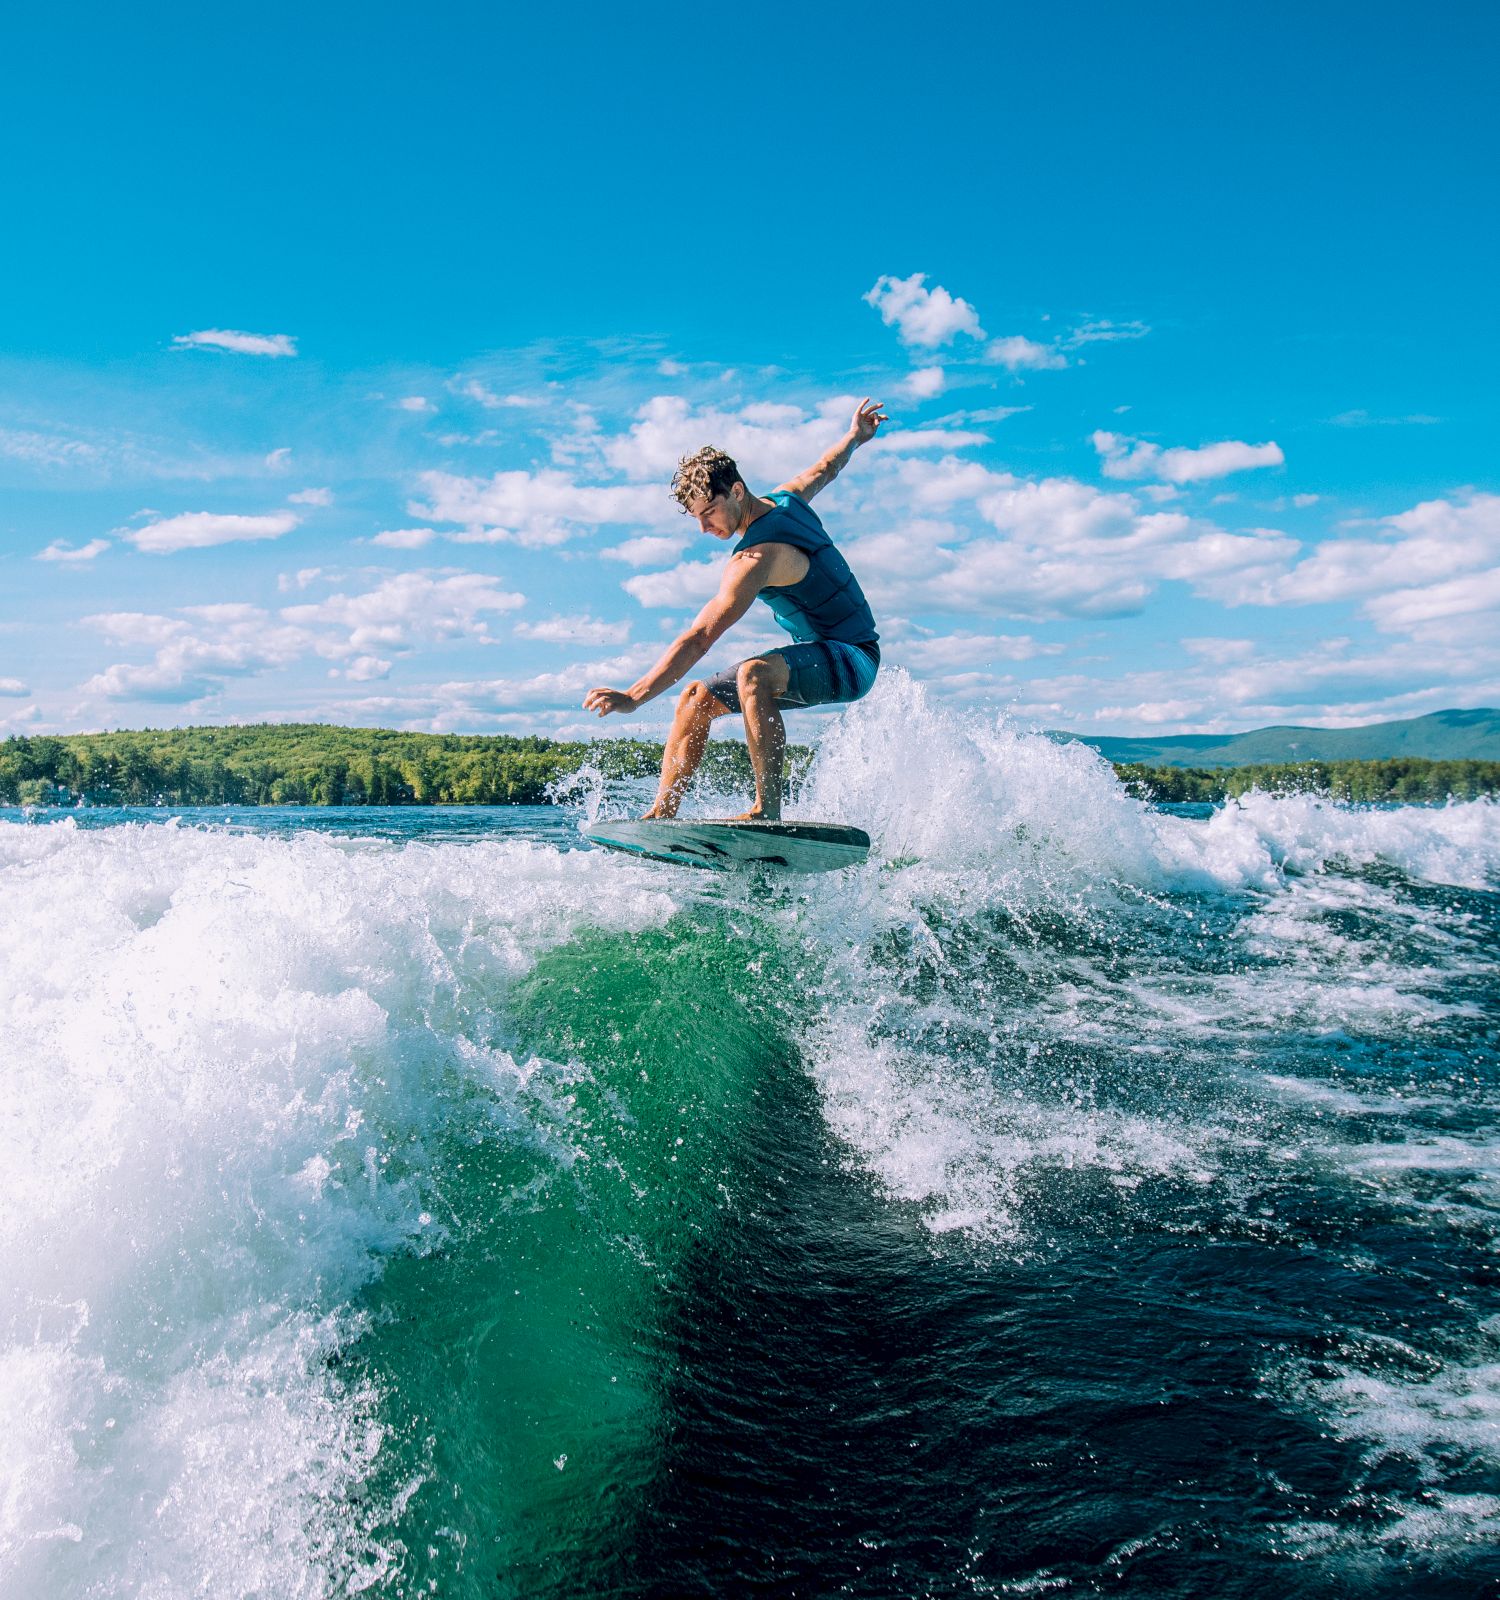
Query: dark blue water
{"points": [[1076, 1200]]}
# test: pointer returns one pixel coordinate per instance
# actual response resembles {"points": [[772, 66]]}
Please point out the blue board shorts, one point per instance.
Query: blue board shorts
{"points": [[825, 672]]}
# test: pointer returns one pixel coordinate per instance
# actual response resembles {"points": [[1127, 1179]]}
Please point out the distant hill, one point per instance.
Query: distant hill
{"points": [[1440, 736]]}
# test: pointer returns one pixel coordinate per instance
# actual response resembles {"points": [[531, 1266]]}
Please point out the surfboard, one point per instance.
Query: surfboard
{"points": [[724, 846]]}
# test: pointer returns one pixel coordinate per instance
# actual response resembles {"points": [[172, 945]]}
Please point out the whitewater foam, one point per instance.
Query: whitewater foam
{"points": [[227, 1061]]}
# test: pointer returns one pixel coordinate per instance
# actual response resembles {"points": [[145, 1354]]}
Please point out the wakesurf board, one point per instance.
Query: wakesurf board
{"points": [[724, 846]]}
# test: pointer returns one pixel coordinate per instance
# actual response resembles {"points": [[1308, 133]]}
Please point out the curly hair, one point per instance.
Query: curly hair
{"points": [[702, 475]]}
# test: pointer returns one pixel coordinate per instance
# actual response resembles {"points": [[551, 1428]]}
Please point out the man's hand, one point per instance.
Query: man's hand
{"points": [[606, 700], [867, 419]]}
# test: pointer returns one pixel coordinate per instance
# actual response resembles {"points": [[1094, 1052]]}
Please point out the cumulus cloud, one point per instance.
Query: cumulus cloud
{"points": [[647, 550], [197, 530], [407, 608], [1054, 547], [905, 441], [245, 344], [280, 460], [1430, 545], [59, 550], [1220, 651], [13, 689], [534, 508], [562, 689], [686, 585], [584, 630], [404, 538], [311, 497], [925, 383], [1134, 458], [921, 316], [418, 403], [197, 650], [948, 652], [1020, 354]]}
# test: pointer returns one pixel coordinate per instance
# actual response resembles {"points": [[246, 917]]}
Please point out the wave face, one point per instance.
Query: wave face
{"points": [[1077, 1197]]}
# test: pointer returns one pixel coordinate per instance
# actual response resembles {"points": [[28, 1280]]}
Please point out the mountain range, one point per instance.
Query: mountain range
{"points": [[1439, 736]]}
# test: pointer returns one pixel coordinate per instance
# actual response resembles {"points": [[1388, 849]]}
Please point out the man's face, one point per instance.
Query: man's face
{"points": [[721, 515]]}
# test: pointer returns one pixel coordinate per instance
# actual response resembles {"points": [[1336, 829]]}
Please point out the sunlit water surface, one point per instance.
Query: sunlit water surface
{"points": [[1077, 1199]]}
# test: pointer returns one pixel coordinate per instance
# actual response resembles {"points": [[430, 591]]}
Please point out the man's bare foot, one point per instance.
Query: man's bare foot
{"points": [[659, 813], [755, 814]]}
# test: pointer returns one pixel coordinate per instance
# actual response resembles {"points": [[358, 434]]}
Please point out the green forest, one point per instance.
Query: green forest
{"points": [[320, 765]]}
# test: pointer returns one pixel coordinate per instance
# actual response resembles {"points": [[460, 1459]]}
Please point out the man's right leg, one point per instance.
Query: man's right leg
{"points": [[696, 709]]}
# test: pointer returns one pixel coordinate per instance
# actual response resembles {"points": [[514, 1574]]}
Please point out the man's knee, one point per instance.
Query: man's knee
{"points": [[696, 700], [753, 678]]}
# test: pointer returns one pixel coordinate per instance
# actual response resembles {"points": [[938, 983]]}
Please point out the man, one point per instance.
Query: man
{"points": [[784, 556]]}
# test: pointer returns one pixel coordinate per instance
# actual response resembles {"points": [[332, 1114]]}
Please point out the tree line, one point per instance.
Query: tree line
{"points": [[1407, 779], [322, 765], [319, 765]]}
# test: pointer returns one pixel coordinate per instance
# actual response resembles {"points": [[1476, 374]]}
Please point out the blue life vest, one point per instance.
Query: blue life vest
{"points": [[828, 603]]}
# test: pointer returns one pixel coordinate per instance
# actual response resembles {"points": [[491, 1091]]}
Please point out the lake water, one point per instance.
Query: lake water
{"points": [[1078, 1199]]}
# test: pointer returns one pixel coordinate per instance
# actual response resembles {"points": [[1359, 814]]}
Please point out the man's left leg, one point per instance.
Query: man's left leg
{"points": [[760, 681]]}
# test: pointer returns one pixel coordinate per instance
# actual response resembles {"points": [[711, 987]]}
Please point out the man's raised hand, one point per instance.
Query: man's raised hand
{"points": [[606, 700], [867, 419]]}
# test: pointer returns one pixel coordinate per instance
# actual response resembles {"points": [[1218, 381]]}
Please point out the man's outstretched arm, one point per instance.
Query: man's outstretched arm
{"points": [[744, 578], [867, 419]]}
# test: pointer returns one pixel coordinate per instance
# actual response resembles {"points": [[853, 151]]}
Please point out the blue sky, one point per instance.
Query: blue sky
{"points": [[346, 357]]}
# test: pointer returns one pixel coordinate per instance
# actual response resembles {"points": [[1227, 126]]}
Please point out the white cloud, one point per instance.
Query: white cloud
{"points": [[1302, 501], [533, 507], [58, 550], [925, 382], [405, 538], [475, 390], [905, 441], [197, 530], [946, 652], [1362, 419], [921, 316], [647, 550], [562, 689], [197, 651], [1018, 353], [1459, 608], [280, 460], [407, 608], [573, 630], [246, 344], [687, 585], [46, 449], [1220, 651], [1057, 547], [13, 689], [311, 497], [770, 441], [418, 403], [1132, 458], [1440, 549], [190, 664], [365, 669], [1102, 330]]}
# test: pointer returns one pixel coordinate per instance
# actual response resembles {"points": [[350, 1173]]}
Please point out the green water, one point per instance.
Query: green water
{"points": [[526, 1363]]}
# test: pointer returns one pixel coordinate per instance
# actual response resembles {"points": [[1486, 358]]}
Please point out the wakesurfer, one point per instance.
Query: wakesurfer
{"points": [[784, 556]]}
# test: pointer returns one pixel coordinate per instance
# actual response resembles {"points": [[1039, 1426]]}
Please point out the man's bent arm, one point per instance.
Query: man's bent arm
{"points": [[744, 578], [867, 419]]}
